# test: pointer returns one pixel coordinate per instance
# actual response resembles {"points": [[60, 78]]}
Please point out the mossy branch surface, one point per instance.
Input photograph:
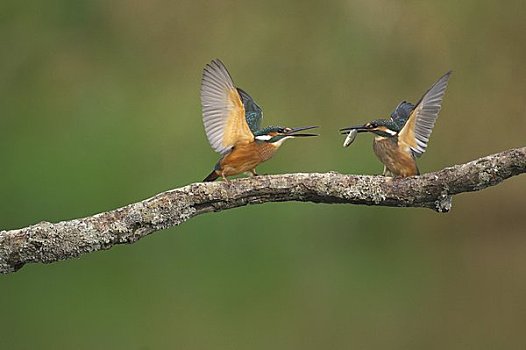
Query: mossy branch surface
{"points": [[47, 242]]}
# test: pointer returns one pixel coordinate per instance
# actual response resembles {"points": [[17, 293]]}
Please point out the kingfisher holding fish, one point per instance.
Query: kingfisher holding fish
{"points": [[232, 121], [402, 138]]}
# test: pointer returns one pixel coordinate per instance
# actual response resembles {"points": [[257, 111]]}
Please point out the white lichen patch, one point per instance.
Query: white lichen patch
{"points": [[367, 188], [118, 227]]}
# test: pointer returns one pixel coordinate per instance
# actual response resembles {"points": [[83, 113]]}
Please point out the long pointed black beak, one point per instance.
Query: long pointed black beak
{"points": [[358, 128], [293, 131]]}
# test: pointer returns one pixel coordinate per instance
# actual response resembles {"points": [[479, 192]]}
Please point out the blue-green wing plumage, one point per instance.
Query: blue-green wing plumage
{"points": [[401, 113], [253, 113]]}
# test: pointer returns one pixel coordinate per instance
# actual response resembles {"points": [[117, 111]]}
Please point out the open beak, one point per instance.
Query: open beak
{"points": [[293, 132], [358, 128]]}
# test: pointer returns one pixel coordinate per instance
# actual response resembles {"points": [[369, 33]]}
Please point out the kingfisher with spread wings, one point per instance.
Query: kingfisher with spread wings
{"points": [[404, 137], [232, 121]]}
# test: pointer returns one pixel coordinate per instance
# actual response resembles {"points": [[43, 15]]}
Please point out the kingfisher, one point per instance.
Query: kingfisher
{"points": [[404, 136], [232, 121]]}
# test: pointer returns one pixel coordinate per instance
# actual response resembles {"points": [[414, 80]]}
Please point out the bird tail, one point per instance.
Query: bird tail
{"points": [[211, 177]]}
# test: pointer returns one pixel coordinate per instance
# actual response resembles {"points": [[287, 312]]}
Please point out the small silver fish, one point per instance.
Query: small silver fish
{"points": [[350, 137]]}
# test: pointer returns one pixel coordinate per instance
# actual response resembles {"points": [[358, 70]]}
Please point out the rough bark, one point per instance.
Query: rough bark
{"points": [[48, 242]]}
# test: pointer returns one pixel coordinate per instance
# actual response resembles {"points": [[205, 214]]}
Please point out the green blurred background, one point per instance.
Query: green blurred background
{"points": [[100, 107]]}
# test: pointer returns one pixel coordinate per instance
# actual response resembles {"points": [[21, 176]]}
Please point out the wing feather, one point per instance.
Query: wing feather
{"points": [[223, 111], [253, 112], [418, 128], [402, 113]]}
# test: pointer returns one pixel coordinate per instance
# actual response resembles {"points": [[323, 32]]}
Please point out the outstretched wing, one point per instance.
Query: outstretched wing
{"points": [[253, 113], [223, 111], [418, 127], [402, 113]]}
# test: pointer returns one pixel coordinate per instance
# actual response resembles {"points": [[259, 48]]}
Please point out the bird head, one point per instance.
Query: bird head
{"points": [[380, 127], [277, 134]]}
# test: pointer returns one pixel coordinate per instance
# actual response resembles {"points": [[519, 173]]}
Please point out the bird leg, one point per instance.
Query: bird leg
{"points": [[253, 172], [224, 178], [387, 172]]}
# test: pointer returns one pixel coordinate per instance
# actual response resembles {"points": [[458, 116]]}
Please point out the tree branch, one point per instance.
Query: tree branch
{"points": [[47, 242]]}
